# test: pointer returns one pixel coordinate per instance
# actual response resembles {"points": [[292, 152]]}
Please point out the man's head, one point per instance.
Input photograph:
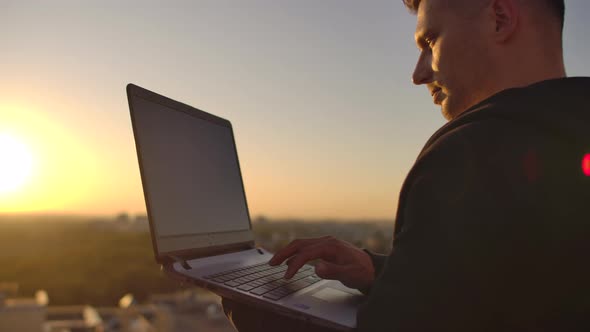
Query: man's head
{"points": [[472, 49]]}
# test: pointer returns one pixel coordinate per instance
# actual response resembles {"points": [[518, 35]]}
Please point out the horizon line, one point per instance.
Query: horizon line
{"points": [[257, 218]]}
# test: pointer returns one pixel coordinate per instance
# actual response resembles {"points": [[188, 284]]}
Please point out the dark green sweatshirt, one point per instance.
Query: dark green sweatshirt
{"points": [[493, 224]]}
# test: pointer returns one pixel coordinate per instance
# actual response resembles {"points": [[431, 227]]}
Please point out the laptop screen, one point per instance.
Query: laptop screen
{"points": [[191, 177]]}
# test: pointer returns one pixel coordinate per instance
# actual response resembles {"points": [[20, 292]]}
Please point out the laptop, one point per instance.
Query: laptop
{"points": [[199, 220]]}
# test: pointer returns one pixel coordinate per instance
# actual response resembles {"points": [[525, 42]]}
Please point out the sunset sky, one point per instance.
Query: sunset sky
{"points": [[327, 121]]}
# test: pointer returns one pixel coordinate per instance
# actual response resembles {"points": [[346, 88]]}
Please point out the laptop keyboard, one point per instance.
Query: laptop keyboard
{"points": [[263, 279]]}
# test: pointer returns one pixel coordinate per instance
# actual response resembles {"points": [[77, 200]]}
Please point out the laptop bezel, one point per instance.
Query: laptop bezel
{"points": [[188, 253]]}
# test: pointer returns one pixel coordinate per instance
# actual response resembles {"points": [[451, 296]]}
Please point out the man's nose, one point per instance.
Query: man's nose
{"points": [[423, 73]]}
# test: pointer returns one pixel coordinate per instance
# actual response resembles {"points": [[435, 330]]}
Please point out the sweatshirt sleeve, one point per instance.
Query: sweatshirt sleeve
{"points": [[452, 261], [378, 262]]}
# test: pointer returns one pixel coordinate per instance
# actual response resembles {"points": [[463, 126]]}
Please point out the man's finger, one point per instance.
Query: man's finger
{"points": [[309, 253], [291, 249], [286, 252]]}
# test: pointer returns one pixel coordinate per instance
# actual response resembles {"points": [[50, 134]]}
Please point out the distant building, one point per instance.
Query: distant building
{"points": [[77, 318], [137, 318], [22, 315]]}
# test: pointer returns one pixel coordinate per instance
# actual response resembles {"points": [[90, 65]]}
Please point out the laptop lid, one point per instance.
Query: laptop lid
{"points": [[191, 178]]}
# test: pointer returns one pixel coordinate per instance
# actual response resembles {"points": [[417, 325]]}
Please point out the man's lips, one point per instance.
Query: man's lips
{"points": [[437, 95]]}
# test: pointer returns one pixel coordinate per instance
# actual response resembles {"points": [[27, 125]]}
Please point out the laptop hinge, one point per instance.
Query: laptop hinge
{"points": [[181, 261]]}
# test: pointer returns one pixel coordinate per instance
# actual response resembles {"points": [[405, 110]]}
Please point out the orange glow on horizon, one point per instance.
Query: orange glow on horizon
{"points": [[95, 173]]}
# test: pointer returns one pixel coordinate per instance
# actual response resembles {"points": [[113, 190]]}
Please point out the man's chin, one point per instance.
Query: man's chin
{"points": [[446, 112]]}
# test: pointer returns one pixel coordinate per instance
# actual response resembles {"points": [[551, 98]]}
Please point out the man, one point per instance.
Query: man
{"points": [[493, 223]]}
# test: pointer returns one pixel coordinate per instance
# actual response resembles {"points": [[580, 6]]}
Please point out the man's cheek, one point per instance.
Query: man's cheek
{"points": [[443, 61], [436, 62]]}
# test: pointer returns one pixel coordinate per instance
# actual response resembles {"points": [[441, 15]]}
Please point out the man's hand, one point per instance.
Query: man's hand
{"points": [[340, 260]]}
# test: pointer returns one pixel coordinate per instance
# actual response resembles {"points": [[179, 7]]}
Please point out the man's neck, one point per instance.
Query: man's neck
{"points": [[523, 73]]}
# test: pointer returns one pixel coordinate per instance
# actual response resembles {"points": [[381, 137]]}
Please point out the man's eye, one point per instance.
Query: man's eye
{"points": [[429, 42]]}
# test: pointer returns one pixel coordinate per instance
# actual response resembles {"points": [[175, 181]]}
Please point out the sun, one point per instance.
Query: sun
{"points": [[16, 163]]}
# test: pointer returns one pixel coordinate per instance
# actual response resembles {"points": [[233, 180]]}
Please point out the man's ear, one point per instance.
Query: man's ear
{"points": [[506, 15]]}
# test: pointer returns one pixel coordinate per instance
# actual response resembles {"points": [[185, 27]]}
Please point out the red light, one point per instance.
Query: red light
{"points": [[586, 164]]}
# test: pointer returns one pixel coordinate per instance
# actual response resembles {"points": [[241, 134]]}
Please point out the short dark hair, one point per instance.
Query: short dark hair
{"points": [[556, 6]]}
